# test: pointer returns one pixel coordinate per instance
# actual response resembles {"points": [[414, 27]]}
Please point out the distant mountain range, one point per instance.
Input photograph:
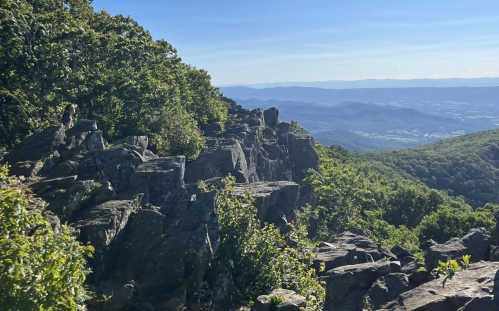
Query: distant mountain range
{"points": [[358, 126], [383, 83], [475, 95]]}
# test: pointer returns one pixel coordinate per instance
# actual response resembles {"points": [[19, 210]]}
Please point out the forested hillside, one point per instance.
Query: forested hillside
{"points": [[53, 53], [465, 166], [350, 194]]}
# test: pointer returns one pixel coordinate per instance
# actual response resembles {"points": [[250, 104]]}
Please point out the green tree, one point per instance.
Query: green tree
{"points": [[39, 268]]}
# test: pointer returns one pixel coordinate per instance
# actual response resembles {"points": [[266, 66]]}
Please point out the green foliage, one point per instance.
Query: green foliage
{"points": [[39, 269], [448, 268], [465, 261], [350, 194], [448, 223], [58, 52], [275, 301], [294, 127], [260, 257], [420, 260], [462, 166]]}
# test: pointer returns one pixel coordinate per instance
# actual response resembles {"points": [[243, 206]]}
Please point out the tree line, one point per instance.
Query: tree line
{"points": [[55, 52]]}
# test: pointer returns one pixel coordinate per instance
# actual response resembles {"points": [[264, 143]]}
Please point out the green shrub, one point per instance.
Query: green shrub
{"points": [[275, 302], [262, 258], [39, 269]]}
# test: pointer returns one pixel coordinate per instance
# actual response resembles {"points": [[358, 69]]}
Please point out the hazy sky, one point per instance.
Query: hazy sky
{"points": [[256, 41]]}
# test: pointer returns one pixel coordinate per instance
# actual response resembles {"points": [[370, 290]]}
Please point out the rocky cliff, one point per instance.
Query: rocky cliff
{"points": [[153, 230]]}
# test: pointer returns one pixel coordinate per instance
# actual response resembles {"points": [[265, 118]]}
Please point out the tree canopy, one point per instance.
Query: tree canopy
{"points": [[55, 52]]}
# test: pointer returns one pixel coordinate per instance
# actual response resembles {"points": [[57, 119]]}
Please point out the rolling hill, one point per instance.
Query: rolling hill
{"points": [[466, 166]]}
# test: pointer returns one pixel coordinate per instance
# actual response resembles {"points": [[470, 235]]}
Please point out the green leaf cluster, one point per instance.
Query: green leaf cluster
{"points": [[39, 269], [448, 268], [53, 53], [261, 257], [351, 194]]}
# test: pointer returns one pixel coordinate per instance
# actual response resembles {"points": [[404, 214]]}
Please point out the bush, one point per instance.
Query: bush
{"points": [[39, 269], [261, 258]]}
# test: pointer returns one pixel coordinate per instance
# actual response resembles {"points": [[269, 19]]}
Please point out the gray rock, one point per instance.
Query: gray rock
{"points": [[25, 168], [94, 141], [125, 299], [105, 192], [228, 159], [365, 247], [385, 289], [345, 285], [220, 281], [68, 203], [271, 116], [473, 289], [115, 165], [496, 216], [476, 243], [64, 169], [275, 201], [403, 255], [494, 253], [56, 183], [159, 179], [213, 129], [313, 226], [81, 126], [170, 253], [38, 145], [292, 301], [100, 226], [141, 141], [333, 257]]}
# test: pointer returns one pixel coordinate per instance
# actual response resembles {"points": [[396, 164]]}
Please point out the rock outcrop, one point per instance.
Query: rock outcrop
{"points": [[154, 232], [254, 147], [476, 288], [476, 243]]}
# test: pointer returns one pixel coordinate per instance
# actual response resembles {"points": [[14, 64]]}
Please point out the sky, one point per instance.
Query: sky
{"points": [[245, 42]]}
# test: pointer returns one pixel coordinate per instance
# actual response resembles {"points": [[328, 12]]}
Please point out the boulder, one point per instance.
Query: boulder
{"points": [[291, 301], [385, 289], [275, 201], [332, 256], [229, 158], [403, 255], [271, 116], [140, 141], [366, 248], [68, 203], [105, 192], [346, 285], [475, 288], [115, 165], [81, 126], [220, 281], [159, 179], [476, 243], [56, 183], [125, 299], [38, 145], [100, 226]]}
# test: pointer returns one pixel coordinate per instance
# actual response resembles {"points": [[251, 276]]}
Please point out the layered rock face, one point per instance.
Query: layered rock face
{"points": [[254, 147], [153, 230]]}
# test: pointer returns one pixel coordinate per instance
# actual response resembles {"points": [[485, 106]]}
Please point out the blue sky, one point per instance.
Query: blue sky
{"points": [[243, 42]]}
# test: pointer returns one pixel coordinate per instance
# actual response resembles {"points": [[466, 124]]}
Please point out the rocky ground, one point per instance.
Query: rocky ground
{"points": [[155, 231]]}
